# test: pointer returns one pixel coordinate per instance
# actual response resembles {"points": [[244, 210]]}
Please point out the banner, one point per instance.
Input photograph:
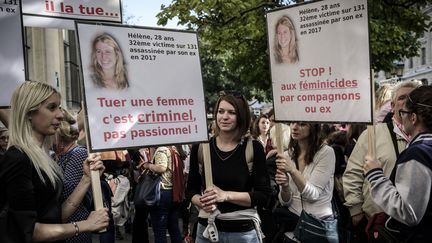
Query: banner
{"points": [[62, 13], [320, 65], [142, 86], [12, 71]]}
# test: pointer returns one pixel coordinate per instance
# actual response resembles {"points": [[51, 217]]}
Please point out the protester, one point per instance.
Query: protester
{"points": [[285, 42], [165, 215], [406, 195], [382, 102], [32, 181], [390, 140], [305, 176], [261, 132], [353, 133], [140, 220], [269, 227], [237, 190], [4, 139], [115, 161], [70, 157], [108, 65]]}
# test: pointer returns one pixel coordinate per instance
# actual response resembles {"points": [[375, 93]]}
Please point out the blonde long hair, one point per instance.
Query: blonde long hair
{"points": [[293, 49], [120, 73], [26, 99]]}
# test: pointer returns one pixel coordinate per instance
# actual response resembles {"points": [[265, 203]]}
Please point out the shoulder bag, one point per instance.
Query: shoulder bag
{"points": [[312, 229], [147, 192]]}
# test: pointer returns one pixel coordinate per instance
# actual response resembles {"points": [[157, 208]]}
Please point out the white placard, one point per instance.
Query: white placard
{"points": [[329, 78], [164, 103], [62, 13], [12, 71]]}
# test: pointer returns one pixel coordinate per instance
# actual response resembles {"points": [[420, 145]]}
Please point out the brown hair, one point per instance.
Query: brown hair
{"points": [[314, 141], [420, 102], [242, 111]]}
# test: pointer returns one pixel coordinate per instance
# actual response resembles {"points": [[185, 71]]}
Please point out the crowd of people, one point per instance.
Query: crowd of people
{"points": [[258, 194]]}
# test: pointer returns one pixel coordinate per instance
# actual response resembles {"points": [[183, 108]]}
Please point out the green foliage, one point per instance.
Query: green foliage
{"points": [[233, 38]]}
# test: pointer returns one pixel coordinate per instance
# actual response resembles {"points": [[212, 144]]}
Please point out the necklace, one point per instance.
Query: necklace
{"points": [[227, 155]]}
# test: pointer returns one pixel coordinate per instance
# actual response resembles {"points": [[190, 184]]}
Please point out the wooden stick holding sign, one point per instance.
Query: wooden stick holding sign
{"points": [[207, 165], [95, 180], [279, 134], [371, 128], [371, 141]]}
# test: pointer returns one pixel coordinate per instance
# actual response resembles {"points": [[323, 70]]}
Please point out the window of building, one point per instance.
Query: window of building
{"points": [[410, 63], [423, 56], [72, 70]]}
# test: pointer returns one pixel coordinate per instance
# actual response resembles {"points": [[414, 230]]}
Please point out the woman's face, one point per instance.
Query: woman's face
{"points": [[4, 139], [283, 35], [400, 99], [300, 131], [264, 125], [46, 119], [105, 56], [226, 117], [405, 116]]}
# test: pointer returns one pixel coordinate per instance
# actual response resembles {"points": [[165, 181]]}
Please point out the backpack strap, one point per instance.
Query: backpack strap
{"points": [[200, 159], [249, 154]]}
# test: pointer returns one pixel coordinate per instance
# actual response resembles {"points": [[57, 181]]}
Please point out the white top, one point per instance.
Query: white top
{"points": [[318, 192]]}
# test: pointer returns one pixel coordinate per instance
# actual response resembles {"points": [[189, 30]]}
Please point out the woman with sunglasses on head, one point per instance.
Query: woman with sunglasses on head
{"points": [[31, 182], [237, 189], [406, 195], [305, 176]]}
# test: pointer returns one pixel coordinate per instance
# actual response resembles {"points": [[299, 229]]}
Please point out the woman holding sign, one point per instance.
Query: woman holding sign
{"points": [[32, 182], [239, 184], [305, 176], [285, 42], [406, 195], [108, 65]]}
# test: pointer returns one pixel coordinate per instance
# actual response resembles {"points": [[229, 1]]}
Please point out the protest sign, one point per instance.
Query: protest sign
{"points": [[62, 13], [156, 95], [320, 65], [12, 71]]}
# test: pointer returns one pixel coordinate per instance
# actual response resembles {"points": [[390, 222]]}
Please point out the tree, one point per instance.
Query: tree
{"points": [[233, 38]]}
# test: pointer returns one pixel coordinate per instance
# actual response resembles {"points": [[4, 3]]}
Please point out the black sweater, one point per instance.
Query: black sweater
{"points": [[232, 174]]}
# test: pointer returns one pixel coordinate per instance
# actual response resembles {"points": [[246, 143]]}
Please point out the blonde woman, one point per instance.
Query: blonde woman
{"points": [[383, 97], [285, 42], [108, 65], [31, 181]]}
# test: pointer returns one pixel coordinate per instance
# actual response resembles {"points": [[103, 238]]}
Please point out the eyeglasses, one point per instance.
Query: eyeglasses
{"points": [[403, 111]]}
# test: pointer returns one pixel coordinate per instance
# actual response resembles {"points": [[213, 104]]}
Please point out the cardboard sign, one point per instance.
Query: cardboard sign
{"points": [[320, 65], [156, 95], [12, 70], [63, 13]]}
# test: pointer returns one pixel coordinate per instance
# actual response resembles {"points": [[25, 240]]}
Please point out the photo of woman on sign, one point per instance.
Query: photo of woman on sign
{"points": [[285, 42], [107, 64]]}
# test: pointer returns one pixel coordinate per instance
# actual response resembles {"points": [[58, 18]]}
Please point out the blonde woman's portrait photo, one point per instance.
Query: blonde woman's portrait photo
{"points": [[285, 42], [107, 64]]}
